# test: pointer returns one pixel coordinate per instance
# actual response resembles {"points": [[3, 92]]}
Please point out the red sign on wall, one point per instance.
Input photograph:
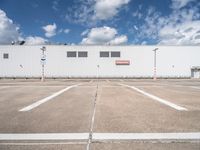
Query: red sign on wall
{"points": [[122, 62]]}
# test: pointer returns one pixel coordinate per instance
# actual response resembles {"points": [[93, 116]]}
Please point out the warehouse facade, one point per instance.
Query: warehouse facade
{"points": [[100, 61]]}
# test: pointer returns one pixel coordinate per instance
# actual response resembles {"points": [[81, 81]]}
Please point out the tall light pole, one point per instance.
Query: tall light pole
{"points": [[43, 59], [155, 69]]}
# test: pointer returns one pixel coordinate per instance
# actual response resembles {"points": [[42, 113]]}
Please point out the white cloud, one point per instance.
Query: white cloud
{"points": [[66, 31], [50, 30], [89, 12], [55, 5], [85, 32], [8, 30], [106, 9], [104, 36], [144, 43], [137, 14], [182, 34], [135, 27], [177, 4], [119, 40], [35, 40], [81, 12], [181, 27]]}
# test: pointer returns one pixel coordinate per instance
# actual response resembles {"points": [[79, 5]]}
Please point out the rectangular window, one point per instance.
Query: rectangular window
{"points": [[83, 54], [5, 56], [104, 54], [115, 54], [71, 54]]}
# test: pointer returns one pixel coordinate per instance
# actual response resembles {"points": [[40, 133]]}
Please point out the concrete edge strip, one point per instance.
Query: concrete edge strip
{"points": [[170, 104], [38, 103], [102, 136]]}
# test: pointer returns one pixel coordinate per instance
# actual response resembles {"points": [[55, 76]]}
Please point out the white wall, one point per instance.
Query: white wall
{"points": [[171, 61]]}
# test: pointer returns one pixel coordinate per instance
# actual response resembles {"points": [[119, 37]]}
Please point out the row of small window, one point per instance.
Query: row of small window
{"points": [[102, 54], [83, 54], [74, 54]]}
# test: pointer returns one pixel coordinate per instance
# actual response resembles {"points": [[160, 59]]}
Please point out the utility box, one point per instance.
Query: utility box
{"points": [[195, 72]]}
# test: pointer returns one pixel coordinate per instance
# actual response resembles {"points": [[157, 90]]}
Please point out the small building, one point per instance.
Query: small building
{"points": [[99, 61]]}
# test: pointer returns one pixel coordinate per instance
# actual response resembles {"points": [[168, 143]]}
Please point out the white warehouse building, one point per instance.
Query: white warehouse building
{"points": [[99, 61]]}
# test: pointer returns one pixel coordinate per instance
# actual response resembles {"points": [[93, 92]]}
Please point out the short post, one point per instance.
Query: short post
{"points": [[155, 67], [43, 59]]}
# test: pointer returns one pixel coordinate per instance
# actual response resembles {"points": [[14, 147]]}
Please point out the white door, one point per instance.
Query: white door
{"points": [[196, 74]]}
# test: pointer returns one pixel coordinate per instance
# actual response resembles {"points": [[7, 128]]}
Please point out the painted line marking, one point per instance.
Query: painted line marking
{"points": [[38, 103], [182, 86], [30, 86], [195, 87], [147, 136], [172, 105], [92, 119], [44, 143], [4, 87], [101, 136], [46, 136]]}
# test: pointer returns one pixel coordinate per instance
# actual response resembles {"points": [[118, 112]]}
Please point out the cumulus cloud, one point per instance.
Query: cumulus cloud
{"points": [[106, 9], [35, 40], [50, 30], [119, 40], [88, 12], [104, 36], [81, 12], [8, 30], [179, 28], [181, 34]]}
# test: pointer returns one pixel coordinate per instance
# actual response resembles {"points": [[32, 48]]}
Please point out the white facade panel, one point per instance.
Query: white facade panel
{"points": [[172, 61]]}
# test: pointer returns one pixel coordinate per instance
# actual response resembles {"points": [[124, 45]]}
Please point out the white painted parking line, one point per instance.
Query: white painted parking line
{"points": [[36, 86], [4, 87], [182, 86], [172, 105], [101, 136], [38, 103], [92, 119], [146, 136], [44, 143], [45, 136], [195, 87]]}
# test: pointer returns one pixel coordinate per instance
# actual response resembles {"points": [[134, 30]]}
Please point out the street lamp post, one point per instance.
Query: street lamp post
{"points": [[43, 59], [155, 69]]}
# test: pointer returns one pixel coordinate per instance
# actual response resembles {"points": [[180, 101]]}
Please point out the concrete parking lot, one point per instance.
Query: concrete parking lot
{"points": [[104, 114]]}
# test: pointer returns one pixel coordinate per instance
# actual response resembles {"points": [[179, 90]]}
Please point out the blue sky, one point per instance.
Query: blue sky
{"points": [[101, 22]]}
